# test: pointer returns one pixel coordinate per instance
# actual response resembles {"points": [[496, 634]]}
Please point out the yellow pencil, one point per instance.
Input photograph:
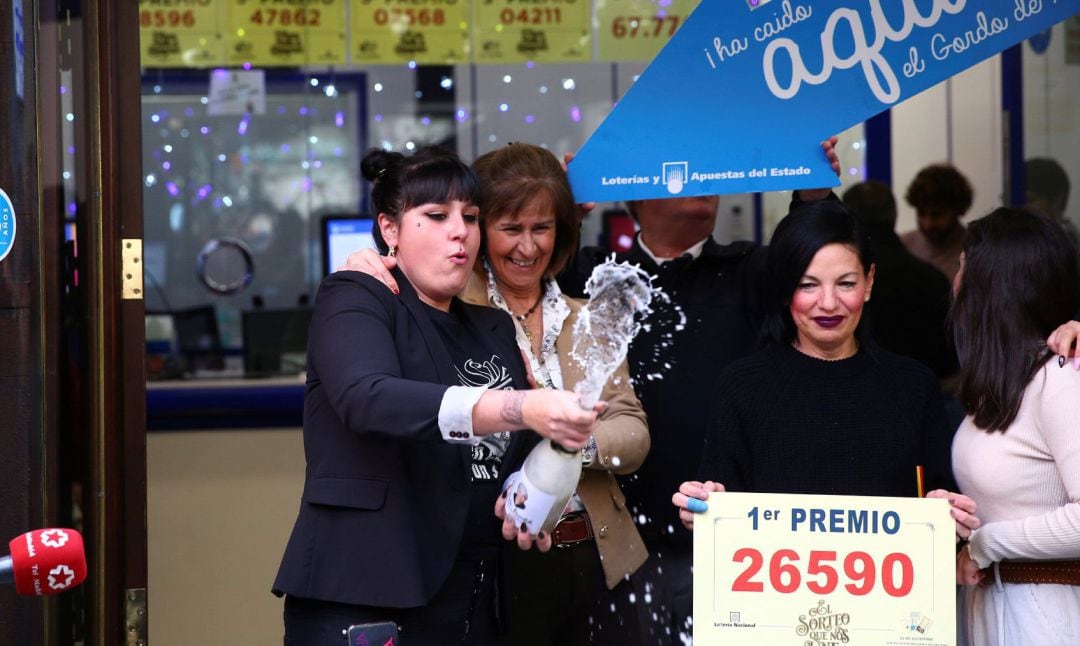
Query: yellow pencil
{"points": [[919, 484]]}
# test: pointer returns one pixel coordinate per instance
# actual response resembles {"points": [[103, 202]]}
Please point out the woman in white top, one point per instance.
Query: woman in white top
{"points": [[1017, 453]]}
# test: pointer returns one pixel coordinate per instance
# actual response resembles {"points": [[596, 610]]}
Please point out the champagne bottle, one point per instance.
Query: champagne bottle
{"points": [[537, 495], [549, 477]]}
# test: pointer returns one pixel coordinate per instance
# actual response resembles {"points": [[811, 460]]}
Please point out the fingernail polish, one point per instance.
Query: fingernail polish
{"points": [[1061, 361], [542, 534], [524, 527], [697, 506]]}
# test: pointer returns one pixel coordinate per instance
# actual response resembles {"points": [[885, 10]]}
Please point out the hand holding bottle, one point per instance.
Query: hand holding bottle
{"points": [[557, 415], [534, 498], [512, 530]]}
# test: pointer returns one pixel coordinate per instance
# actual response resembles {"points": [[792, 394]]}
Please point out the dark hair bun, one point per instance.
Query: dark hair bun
{"points": [[377, 161]]}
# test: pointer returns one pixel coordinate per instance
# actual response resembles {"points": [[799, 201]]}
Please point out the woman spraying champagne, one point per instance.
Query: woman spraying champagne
{"points": [[577, 593], [413, 411]]}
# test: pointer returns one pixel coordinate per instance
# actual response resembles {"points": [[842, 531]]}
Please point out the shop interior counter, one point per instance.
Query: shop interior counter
{"points": [[214, 403]]}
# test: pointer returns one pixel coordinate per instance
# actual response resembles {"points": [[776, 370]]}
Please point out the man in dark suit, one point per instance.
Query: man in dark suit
{"points": [[674, 361], [909, 311]]}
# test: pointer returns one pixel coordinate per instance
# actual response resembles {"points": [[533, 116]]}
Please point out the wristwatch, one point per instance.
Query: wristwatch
{"points": [[588, 454]]}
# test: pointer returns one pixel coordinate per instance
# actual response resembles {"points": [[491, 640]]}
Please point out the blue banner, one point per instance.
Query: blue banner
{"points": [[743, 95], [7, 225]]}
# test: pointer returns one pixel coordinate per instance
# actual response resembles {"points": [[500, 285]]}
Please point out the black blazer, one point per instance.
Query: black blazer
{"points": [[385, 497]]}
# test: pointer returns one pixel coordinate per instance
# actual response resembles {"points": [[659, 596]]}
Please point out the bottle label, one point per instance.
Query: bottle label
{"points": [[525, 503]]}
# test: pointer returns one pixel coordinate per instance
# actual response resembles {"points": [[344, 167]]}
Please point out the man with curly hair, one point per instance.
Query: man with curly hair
{"points": [[940, 195]]}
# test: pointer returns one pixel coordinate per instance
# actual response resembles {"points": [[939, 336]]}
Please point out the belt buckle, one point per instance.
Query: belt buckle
{"points": [[572, 518]]}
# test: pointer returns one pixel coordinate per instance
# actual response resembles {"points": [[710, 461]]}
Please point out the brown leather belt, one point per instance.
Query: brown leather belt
{"points": [[1060, 572], [572, 529]]}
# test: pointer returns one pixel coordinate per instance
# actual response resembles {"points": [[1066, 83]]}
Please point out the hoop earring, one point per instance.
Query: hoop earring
{"points": [[393, 251]]}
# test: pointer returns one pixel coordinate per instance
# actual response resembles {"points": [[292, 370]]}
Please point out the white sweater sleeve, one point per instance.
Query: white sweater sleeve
{"points": [[1055, 534]]}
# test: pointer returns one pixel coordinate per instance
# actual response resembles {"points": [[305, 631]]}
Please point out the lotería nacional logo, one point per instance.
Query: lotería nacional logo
{"points": [[163, 45], [823, 626], [532, 41], [411, 42], [286, 43]]}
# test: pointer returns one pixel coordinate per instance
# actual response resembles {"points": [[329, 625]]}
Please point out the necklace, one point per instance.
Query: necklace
{"points": [[521, 317], [820, 356]]}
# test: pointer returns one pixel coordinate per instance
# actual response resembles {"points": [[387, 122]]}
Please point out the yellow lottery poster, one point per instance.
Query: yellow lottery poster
{"points": [[636, 30], [822, 570], [554, 31], [181, 34], [399, 31], [269, 33]]}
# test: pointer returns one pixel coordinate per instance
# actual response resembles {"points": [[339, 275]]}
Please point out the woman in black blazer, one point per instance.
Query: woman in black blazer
{"points": [[410, 410]]}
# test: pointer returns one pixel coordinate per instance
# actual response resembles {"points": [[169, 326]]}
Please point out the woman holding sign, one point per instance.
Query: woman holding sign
{"points": [[822, 410], [1018, 278]]}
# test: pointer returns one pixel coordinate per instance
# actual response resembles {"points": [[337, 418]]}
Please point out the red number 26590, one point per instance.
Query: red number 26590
{"points": [[858, 569]]}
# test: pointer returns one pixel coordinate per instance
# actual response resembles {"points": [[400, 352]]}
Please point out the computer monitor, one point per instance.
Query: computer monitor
{"points": [[342, 235], [275, 341], [198, 341]]}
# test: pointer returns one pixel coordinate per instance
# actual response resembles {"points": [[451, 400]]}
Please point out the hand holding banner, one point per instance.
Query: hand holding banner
{"points": [[740, 99]]}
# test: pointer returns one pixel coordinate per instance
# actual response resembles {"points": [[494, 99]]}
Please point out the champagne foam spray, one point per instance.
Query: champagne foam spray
{"points": [[620, 295]]}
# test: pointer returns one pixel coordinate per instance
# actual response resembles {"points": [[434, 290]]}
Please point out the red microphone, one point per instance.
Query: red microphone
{"points": [[45, 561]]}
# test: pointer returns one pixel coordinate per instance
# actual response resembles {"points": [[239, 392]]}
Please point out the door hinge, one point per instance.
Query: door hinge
{"points": [[132, 279], [135, 614]]}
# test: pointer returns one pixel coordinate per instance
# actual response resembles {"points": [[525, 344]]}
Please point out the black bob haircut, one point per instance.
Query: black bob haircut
{"points": [[797, 239]]}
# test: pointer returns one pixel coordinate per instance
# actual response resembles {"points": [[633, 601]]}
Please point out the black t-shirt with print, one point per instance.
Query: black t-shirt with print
{"points": [[476, 365]]}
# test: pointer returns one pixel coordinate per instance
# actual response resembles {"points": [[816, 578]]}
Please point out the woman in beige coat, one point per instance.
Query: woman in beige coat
{"points": [[563, 593]]}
